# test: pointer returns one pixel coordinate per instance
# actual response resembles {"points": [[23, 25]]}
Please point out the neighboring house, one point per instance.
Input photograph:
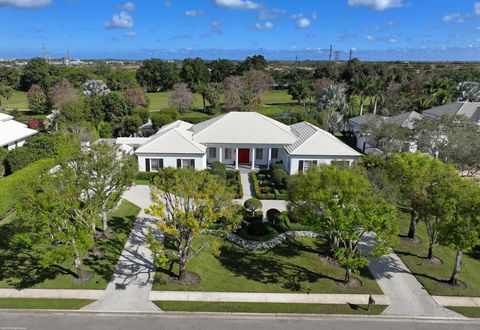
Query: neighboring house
{"points": [[239, 139], [471, 110], [367, 142], [147, 129], [13, 133]]}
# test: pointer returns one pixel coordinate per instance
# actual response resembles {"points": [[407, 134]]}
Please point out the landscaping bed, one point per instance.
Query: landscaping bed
{"points": [[20, 268], [287, 308], [43, 303], [295, 266], [433, 276], [271, 184]]}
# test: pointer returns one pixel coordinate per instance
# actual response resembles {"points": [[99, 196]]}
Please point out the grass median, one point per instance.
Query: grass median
{"points": [[43, 303]]}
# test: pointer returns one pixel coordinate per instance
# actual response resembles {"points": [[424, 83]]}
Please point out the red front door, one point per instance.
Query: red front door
{"points": [[244, 156]]}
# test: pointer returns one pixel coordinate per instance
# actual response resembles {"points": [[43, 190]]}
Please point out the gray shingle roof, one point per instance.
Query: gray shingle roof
{"points": [[360, 120]]}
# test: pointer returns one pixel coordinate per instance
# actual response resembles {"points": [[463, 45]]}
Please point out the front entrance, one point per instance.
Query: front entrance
{"points": [[243, 156]]}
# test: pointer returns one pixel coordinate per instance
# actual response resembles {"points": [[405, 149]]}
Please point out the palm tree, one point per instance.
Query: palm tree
{"points": [[377, 90], [361, 86], [334, 100]]}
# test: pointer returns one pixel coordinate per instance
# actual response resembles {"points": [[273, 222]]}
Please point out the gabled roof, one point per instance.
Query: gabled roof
{"points": [[12, 131], [172, 141], [132, 141], [178, 124], [406, 119], [243, 127], [467, 109], [313, 141]]}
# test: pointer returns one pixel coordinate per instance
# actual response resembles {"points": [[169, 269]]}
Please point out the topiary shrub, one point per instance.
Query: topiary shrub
{"points": [[219, 170], [280, 177], [257, 228], [252, 205], [272, 215], [277, 166]]}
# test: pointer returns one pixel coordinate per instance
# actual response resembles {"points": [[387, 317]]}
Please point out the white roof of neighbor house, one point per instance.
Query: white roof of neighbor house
{"points": [[176, 124], [5, 117], [172, 141], [132, 141], [243, 127], [12, 131], [313, 141]]}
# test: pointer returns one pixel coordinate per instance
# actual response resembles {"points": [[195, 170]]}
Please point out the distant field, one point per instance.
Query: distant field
{"points": [[17, 101], [159, 101]]}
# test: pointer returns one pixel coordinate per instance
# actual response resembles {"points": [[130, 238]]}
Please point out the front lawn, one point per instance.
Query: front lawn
{"points": [[473, 312], [43, 303], [282, 308], [431, 276], [20, 268], [294, 266]]}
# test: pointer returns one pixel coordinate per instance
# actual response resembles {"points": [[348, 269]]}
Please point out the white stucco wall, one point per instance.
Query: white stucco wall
{"points": [[13, 145], [325, 160], [170, 160], [263, 161]]}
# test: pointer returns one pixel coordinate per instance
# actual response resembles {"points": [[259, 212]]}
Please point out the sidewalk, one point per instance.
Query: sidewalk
{"points": [[407, 296], [358, 299], [457, 301], [132, 280]]}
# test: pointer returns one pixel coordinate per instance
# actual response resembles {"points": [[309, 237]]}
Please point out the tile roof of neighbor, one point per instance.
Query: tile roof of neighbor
{"points": [[405, 119], [360, 120], [172, 141], [467, 109], [11, 130], [314, 141], [243, 128]]}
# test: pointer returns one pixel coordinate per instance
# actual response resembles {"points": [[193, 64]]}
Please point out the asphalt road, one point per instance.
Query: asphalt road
{"points": [[17, 320]]}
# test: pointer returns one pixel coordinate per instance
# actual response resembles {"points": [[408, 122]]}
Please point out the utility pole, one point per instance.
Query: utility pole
{"points": [[351, 54], [330, 57], [337, 55]]}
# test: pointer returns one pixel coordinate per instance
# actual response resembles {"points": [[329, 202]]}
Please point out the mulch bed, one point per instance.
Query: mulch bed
{"points": [[445, 284], [435, 261], [87, 276], [190, 279], [355, 283]]}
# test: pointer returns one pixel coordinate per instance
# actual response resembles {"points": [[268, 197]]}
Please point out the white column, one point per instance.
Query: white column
{"points": [[236, 158], [269, 156], [220, 149], [253, 158]]}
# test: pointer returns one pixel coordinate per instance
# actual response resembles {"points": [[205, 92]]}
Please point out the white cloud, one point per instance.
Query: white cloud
{"points": [[194, 13], [369, 37], [266, 26], [297, 16], [127, 6], [378, 5], [476, 8], [122, 20], [271, 14], [454, 18], [25, 4], [218, 23], [130, 34], [392, 40], [237, 4], [303, 23]]}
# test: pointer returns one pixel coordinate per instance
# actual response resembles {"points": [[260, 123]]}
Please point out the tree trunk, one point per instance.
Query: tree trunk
{"points": [[431, 250], [334, 243], [78, 266], [413, 224], [104, 218], [182, 273], [348, 275], [456, 268], [361, 109], [204, 103], [375, 107]]}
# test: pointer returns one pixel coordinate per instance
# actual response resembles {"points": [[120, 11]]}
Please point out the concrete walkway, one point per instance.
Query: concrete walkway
{"points": [[407, 296], [249, 192], [132, 281], [457, 301], [357, 299]]}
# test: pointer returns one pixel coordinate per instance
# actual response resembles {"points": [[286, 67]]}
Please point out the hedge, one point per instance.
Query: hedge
{"points": [[258, 192], [13, 186], [234, 177], [147, 176]]}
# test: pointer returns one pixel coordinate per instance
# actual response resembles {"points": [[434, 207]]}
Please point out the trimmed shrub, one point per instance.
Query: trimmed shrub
{"points": [[234, 180], [270, 233], [13, 186], [272, 215], [146, 176], [218, 169], [3, 156], [258, 192], [247, 216], [277, 166], [280, 177], [252, 205], [257, 228]]}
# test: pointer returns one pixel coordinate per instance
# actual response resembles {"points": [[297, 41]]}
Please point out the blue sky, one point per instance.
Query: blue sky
{"points": [[279, 29]]}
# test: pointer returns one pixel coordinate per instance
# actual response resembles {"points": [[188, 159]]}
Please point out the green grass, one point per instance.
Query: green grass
{"points": [[43, 303], [431, 275], [286, 308], [473, 312], [140, 182], [294, 266], [17, 101], [21, 268], [159, 101]]}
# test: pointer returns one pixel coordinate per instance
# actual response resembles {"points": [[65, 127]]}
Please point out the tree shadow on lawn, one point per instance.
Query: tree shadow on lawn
{"points": [[269, 270]]}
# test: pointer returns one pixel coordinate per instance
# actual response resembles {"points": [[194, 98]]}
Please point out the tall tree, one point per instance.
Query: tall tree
{"points": [[222, 69], [157, 75], [256, 83], [361, 87], [188, 202], [196, 75], [300, 91], [181, 98], [342, 203], [37, 99], [36, 72], [57, 219], [333, 101], [6, 92]]}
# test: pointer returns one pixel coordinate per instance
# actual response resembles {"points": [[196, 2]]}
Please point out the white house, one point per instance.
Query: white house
{"points": [[239, 139], [13, 133]]}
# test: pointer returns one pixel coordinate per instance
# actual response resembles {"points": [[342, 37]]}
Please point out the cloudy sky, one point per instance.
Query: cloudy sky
{"points": [[279, 29]]}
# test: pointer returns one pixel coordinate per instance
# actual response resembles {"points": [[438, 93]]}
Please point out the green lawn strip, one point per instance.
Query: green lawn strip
{"points": [[141, 182], [43, 303], [431, 275], [287, 308], [473, 312], [159, 101], [294, 266], [17, 101], [21, 269]]}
